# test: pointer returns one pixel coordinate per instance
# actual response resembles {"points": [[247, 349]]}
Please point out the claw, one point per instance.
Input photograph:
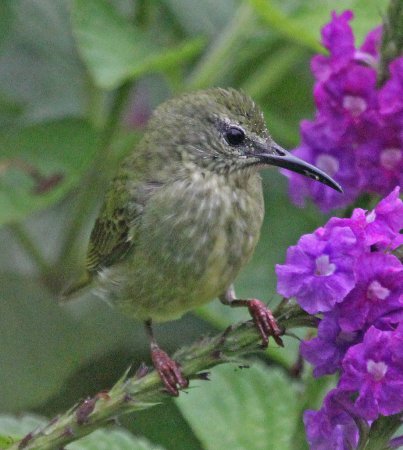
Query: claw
{"points": [[169, 371], [265, 322]]}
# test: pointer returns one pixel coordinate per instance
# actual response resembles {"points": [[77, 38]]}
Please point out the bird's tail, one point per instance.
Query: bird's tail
{"points": [[76, 288]]}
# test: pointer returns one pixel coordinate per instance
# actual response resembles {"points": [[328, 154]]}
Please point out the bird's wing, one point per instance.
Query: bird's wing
{"points": [[111, 239], [109, 242], [114, 232]]}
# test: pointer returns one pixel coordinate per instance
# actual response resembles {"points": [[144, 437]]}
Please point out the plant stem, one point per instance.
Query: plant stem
{"points": [[144, 391]]}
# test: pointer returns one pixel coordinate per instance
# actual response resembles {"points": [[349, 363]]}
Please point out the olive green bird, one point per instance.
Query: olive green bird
{"points": [[183, 214]]}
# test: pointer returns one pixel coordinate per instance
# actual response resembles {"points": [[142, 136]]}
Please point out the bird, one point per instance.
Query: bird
{"points": [[183, 214]]}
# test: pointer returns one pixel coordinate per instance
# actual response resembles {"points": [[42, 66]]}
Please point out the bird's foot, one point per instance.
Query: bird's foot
{"points": [[169, 371], [261, 315], [265, 322]]}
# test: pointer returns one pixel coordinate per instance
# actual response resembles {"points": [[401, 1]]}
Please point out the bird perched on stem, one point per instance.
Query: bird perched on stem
{"points": [[183, 214]]}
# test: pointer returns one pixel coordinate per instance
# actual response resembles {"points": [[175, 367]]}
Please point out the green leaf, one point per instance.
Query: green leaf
{"points": [[110, 439], [10, 111], [13, 429], [39, 164], [5, 19], [44, 344], [39, 65], [114, 50], [36, 342], [382, 430], [242, 409], [6, 441], [157, 424]]}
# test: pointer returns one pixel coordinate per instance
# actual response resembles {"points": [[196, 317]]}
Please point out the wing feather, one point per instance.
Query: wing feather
{"points": [[113, 234], [115, 231]]}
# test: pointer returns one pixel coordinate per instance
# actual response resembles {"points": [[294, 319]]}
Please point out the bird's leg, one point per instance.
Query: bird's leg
{"points": [[168, 369], [261, 315]]}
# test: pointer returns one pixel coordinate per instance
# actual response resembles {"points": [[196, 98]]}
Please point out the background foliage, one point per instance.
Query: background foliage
{"points": [[78, 79]]}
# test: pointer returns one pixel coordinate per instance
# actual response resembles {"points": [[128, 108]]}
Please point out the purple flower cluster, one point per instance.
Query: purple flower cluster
{"points": [[357, 134], [348, 272]]}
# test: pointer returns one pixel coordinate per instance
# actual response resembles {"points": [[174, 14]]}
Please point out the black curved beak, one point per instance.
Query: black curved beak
{"points": [[277, 156]]}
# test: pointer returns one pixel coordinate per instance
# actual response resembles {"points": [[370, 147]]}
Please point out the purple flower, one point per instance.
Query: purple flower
{"points": [[380, 162], [327, 350], [345, 269], [370, 47], [332, 427], [391, 94], [374, 369], [379, 291], [396, 442], [379, 229], [399, 348], [321, 271], [357, 133], [338, 38], [357, 223], [318, 270], [384, 223], [348, 95], [337, 165]]}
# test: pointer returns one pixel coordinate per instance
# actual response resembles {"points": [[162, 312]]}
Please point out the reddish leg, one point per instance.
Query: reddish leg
{"points": [[168, 369], [260, 313]]}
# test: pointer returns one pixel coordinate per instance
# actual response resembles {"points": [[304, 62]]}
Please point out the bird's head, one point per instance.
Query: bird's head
{"points": [[222, 131]]}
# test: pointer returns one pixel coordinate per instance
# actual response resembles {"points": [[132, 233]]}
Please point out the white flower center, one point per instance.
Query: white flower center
{"points": [[366, 58], [371, 216], [376, 291], [328, 164], [356, 105], [324, 267], [390, 158], [377, 369]]}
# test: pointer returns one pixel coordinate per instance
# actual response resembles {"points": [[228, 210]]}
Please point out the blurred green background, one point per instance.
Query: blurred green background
{"points": [[78, 80]]}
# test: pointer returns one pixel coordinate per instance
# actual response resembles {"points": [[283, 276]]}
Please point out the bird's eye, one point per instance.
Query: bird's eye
{"points": [[234, 136]]}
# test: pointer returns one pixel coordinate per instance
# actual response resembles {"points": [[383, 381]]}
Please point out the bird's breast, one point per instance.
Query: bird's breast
{"points": [[195, 236], [203, 229]]}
